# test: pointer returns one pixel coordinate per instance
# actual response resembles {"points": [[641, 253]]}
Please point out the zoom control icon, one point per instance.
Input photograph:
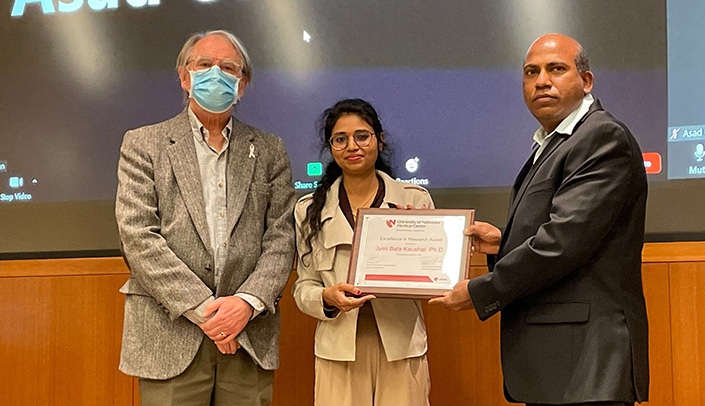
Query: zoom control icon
{"points": [[699, 152]]}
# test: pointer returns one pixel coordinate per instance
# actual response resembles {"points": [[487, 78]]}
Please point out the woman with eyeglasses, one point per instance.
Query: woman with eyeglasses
{"points": [[368, 351]]}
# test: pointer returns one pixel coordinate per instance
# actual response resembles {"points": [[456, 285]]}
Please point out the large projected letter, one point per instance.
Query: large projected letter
{"points": [[98, 5], [142, 3], [70, 7], [19, 6]]}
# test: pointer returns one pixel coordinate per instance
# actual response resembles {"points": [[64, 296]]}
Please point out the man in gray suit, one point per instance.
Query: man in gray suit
{"points": [[566, 272], [204, 209]]}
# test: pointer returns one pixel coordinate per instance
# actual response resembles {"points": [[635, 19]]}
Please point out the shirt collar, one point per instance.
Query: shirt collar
{"points": [[198, 129], [568, 124]]}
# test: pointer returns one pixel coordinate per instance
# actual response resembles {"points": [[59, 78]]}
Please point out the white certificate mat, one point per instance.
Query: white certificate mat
{"points": [[418, 254]]}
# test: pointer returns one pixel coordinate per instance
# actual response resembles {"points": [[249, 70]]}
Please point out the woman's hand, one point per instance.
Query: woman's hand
{"points": [[334, 296]]}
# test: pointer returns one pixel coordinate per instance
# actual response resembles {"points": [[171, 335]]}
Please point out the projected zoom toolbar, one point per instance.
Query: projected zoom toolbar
{"points": [[686, 152], [14, 187]]}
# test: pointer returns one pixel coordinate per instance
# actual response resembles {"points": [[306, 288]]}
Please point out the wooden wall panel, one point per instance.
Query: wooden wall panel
{"points": [[692, 251], [293, 381], [60, 341], [657, 293], [688, 332], [61, 323], [63, 267], [135, 392]]}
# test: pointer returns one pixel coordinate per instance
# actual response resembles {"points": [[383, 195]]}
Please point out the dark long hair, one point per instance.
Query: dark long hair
{"points": [[312, 224]]}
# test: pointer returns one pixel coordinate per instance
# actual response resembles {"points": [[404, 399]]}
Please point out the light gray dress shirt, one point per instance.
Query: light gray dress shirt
{"points": [[565, 127], [212, 164]]}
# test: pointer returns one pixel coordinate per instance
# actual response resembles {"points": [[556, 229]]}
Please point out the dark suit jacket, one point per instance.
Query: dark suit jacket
{"points": [[567, 277]]}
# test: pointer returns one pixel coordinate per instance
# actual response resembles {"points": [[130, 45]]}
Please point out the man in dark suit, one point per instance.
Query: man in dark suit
{"points": [[566, 273], [204, 209]]}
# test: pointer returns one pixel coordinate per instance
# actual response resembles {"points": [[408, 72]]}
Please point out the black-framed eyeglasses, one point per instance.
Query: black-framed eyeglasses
{"points": [[362, 138]]}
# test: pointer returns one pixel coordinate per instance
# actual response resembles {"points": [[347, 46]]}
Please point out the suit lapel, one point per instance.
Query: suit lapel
{"points": [[184, 163], [522, 184], [520, 178], [337, 230], [523, 181], [553, 143], [241, 166]]}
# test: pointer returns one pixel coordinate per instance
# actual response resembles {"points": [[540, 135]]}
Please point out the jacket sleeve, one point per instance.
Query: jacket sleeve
{"points": [[152, 263], [308, 288]]}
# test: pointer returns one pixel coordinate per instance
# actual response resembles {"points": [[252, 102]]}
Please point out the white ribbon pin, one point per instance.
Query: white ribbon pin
{"points": [[252, 150]]}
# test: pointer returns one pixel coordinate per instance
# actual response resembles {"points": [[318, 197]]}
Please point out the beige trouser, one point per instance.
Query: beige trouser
{"points": [[212, 379], [371, 379]]}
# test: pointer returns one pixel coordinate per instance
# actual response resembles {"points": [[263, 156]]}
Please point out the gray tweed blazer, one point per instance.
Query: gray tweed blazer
{"points": [[164, 236]]}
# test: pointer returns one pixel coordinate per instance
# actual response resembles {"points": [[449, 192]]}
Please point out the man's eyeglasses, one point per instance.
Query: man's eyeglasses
{"points": [[362, 138], [201, 63]]}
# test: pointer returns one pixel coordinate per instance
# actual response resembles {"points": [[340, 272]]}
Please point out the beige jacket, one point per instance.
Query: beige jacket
{"points": [[399, 321]]}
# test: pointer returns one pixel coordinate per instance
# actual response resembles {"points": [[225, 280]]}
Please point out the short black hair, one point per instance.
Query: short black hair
{"points": [[581, 61]]}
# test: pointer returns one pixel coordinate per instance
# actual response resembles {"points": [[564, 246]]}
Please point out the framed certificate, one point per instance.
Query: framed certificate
{"points": [[416, 254]]}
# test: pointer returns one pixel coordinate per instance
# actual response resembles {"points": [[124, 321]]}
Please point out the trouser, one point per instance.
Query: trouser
{"points": [[212, 379], [371, 379]]}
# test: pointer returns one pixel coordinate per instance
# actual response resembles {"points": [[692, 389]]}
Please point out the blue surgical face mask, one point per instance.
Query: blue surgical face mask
{"points": [[214, 90]]}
